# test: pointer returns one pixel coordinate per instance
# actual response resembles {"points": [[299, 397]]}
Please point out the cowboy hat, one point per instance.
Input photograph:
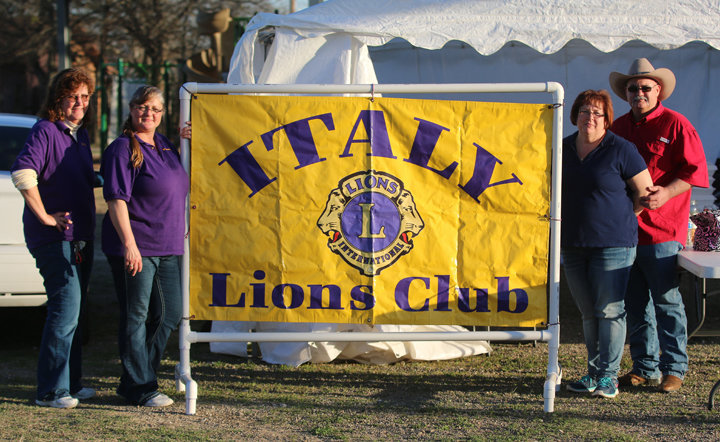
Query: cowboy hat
{"points": [[641, 68]]}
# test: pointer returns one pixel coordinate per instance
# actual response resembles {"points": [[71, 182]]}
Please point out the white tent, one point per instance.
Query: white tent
{"points": [[574, 43]]}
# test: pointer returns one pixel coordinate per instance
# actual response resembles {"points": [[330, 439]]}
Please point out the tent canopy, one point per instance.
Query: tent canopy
{"points": [[544, 25], [457, 41]]}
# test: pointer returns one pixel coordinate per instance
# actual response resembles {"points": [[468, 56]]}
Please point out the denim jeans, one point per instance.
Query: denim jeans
{"points": [[657, 324], [598, 278], [65, 267], [150, 309]]}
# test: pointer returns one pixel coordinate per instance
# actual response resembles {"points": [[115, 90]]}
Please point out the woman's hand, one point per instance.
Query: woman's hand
{"points": [[121, 221], [133, 260], [59, 220], [186, 131]]}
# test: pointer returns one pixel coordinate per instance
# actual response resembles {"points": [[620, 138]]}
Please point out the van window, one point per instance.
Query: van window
{"points": [[12, 140]]}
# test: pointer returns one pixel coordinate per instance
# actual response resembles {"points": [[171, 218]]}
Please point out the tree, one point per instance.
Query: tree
{"points": [[145, 31], [150, 32], [27, 37]]}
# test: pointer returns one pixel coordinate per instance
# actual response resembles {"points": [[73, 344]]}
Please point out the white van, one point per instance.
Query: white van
{"points": [[20, 282]]}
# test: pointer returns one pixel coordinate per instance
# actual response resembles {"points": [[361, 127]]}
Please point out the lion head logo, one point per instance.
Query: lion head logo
{"points": [[329, 221], [370, 220]]}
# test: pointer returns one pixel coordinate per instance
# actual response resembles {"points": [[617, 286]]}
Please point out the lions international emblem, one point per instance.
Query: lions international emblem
{"points": [[370, 219]]}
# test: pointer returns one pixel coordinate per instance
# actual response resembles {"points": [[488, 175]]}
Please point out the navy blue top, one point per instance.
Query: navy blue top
{"points": [[65, 182], [597, 207], [155, 196]]}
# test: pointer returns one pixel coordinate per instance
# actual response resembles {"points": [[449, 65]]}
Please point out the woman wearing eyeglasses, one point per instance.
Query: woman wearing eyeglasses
{"points": [[604, 177], [142, 237], [54, 173]]}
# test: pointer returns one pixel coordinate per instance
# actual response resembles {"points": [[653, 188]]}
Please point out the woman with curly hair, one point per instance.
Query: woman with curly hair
{"points": [[54, 173]]}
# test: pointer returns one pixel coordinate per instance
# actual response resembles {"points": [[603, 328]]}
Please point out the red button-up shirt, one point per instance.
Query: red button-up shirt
{"points": [[672, 149]]}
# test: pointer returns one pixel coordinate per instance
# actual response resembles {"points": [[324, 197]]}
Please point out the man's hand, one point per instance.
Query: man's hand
{"points": [[656, 198], [659, 195]]}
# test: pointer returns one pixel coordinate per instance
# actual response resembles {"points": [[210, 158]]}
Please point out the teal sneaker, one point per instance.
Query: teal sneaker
{"points": [[586, 384], [606, 387]]}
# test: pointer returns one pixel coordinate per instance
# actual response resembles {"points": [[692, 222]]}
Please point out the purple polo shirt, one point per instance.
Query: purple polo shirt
{"points": [[65, 182], [155, 195]]}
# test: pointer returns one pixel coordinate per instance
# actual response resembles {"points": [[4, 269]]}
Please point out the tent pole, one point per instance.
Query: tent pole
{"points": [[183, 378]]}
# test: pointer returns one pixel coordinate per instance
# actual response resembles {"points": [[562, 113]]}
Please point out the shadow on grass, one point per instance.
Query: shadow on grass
{"points": [[399, 385]]}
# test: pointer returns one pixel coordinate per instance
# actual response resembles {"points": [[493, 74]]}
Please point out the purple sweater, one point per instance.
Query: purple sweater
{"points": [[65, 182]]}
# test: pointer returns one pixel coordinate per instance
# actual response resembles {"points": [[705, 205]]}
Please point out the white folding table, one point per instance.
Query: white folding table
{"points": [[704, 265]]}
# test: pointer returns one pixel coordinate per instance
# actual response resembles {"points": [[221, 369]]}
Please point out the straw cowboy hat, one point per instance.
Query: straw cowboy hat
{"points": [[641, 68]]}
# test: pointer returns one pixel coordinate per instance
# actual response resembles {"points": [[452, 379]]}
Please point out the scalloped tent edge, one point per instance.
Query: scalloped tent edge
{"points": [[544, 25]]}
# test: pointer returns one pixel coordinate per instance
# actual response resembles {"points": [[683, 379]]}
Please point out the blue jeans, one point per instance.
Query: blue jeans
{"points": [[150, 309], [65, 267], [598, 278], [656, 315]]}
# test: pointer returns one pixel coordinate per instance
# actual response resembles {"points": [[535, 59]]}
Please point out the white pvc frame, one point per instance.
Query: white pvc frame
{"points": [[183, 378]]}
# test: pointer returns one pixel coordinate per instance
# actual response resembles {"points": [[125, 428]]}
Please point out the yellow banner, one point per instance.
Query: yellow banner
{"points": [[384, 211]]}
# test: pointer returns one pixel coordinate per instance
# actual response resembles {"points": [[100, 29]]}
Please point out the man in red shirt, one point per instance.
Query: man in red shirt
{"points": [[671, 147]]}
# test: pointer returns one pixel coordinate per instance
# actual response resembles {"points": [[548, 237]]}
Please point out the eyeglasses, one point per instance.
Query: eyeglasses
{"points": [[586, 113], [144, 109], [635, 88], [82, 97]]}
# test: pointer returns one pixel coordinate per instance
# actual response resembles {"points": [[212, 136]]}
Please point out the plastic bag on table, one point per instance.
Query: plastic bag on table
{"points": [[707, 232]]}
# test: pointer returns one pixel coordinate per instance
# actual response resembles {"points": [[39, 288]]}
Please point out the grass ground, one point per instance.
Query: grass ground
{"points": [[496, 396]]}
